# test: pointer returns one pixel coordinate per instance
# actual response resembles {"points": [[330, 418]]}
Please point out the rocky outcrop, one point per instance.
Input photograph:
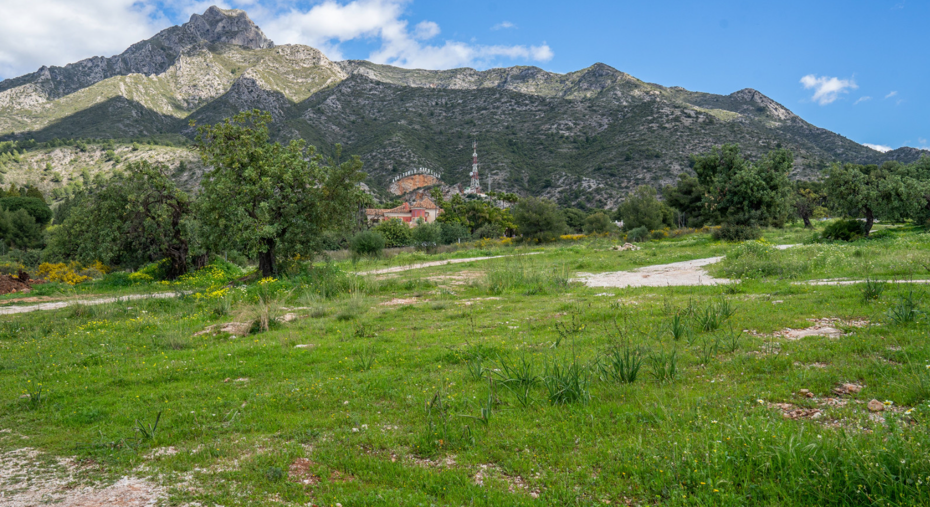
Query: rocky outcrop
{"points": [[149, 57], [774, 109]]}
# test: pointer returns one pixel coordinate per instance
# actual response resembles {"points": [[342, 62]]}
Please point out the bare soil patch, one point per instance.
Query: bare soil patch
{"points": [[828, 327], [676, 273], [402, 302], [398, 269]]}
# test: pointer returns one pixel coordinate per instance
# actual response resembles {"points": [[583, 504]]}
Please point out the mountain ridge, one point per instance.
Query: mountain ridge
{"points": [[587, 136]]}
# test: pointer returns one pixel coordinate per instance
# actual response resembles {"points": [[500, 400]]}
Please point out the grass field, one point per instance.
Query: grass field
{"points": [[499, 382]]}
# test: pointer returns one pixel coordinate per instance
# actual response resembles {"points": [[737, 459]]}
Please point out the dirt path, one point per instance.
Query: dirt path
{"points": [[9, 310], [421, 265], [660, 275]]}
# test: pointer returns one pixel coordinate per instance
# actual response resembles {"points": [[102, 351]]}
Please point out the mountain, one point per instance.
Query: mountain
{"points": [[585, 137]]}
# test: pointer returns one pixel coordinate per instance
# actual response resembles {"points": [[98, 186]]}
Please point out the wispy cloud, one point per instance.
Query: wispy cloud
{"points": [[892, 94], [862, 99], [878, 147], [827, 89], [503, 25]]}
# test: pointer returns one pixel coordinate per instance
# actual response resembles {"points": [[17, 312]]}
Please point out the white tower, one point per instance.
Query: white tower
{"points": [[475, 183]]}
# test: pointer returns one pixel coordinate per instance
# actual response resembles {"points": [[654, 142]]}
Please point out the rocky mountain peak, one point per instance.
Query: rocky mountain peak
{"points": [[228, 26], [773, 108]]}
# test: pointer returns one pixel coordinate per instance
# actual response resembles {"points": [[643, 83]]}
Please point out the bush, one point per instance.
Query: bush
{"points": [[539, 219], [452, 232], [638, 234], [844, 230], [489, 231], [395, 233], [367, 243], [427, 236], [599, 223], [730, 232]]}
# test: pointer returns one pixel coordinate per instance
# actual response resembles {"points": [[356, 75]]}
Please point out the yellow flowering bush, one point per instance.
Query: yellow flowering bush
{"points": [[61, 272]]}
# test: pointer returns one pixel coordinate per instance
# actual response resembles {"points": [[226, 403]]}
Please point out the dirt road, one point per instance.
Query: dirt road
{"points": [[9, 310], [421, 265]]}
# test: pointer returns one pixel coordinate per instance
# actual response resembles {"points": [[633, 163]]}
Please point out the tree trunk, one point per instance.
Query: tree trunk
{"points": [[266, 258], [807, 222], [869, 220]]}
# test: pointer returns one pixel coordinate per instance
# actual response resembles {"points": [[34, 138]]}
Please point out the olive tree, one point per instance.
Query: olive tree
{"points": [[270, 200], [888, 192]]}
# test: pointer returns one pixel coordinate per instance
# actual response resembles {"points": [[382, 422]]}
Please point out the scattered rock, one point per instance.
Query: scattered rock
{"points": [[876, 406], [625, 247], [305, 346], [806, 393], [233, 328], [401, 302], [845, 389]]}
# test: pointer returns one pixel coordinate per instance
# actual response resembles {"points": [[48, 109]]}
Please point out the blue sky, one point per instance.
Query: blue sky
{"points": [[857, 68]]}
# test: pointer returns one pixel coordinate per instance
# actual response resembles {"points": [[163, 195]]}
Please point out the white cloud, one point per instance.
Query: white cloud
{"points": [[862, 99], [878, 147], [503, 25], [827, 89], [892, 94], [331, 23]]}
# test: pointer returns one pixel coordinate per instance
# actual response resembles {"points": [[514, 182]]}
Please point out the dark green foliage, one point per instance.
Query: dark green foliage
{"points": [[427, 236], [23, 232], [638, 234], [489, 230], [745, 193], [732, 232], [643, 209], [844, 230], [35, 206], [452, 232], [599, 223], [890, 192], [272, 201], [687, 196], [475, 213], [575, 219], [395, 232], [367, 243], [539, 219]]}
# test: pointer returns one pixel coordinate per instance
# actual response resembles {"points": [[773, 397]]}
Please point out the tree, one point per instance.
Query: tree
{"points": [[137, 216], [395, 232], [575, 218], [539, 219], [806, 202], [744, 193], [643, 209], [452, 232], [599, 223], [269, 200], [36, 207], [887, 192], [24, 231], [687, 196], [427, 236], [368, 243]]}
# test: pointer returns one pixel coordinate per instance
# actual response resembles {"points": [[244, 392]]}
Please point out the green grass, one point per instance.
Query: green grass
{"points": [[377, 396]]}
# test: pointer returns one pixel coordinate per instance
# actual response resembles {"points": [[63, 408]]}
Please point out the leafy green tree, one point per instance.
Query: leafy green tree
{"points": [[36, 207], [368, 243], [539, 219], [452, 232], [270, 200], [744, 193], [888, 192], [136, 217], [686, 196], [488, 231], [806, 202], [427, 236], [575, 219], [395, 232], [475, 213], [599, 223], [24, 231], [643, 209]]}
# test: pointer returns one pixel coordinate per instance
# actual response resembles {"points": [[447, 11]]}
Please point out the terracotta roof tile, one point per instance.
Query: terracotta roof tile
{"points": [[403, 208], [425, 203]]}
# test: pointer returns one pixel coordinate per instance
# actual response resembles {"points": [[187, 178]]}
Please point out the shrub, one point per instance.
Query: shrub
{"points": [[64, 273], [489, 231], [367, 243], [539, 219], [598, 223], [844, 230], [452, 232], [395, 233], [150, 272], [731, 232], [638, 234], [427, 236]]}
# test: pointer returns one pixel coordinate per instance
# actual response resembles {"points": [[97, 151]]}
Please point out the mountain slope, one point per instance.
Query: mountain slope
{"points": [[585, 137]]}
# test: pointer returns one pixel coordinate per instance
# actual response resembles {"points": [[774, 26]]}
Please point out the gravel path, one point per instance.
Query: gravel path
{"points": [[661, 275], [9, 310], [421, 265]]}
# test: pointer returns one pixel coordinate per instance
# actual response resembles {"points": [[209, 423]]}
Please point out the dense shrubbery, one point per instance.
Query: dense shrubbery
{"points": [[427, 236], [844, 230], [733, 232], [638, 234], [395, 233], [367, 243]]}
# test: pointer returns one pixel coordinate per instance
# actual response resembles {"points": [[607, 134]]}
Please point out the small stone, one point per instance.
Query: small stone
{"points": [[817, 415], [852, 388], [304, 346], [227, 379], [876, 406], [806, 393]]}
